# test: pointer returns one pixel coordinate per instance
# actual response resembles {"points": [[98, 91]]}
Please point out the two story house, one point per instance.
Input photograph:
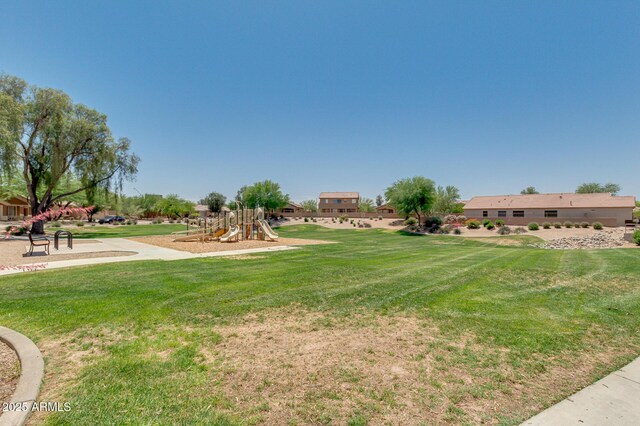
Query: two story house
{"points": [[338, 202]]}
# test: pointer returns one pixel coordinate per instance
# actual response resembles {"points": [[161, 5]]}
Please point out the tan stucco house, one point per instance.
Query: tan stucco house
{"points": [[610, 210], [291, 208], [14, 208], [386, 209], [338, 202]]}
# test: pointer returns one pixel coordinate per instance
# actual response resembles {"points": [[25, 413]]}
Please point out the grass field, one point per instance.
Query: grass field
{"points": [[380, 328], [123, 231]]}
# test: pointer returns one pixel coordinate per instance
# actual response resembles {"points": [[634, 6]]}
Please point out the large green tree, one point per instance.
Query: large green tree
{"points": [[379, 200], [44, 137], [214, 201], [529, 190], [446, 200], [175, 207], [266, 194], [310, 205], [365, 205], [593, 187], [412, 195]]}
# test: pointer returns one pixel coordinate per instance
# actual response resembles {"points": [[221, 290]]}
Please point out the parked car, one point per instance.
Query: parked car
{"points": [[111, 219]]}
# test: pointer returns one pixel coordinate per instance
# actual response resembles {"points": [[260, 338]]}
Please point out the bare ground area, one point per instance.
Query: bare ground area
{"points": [[216, 246], [13, 253], [293, 366], [9, 372], [328, 223]]}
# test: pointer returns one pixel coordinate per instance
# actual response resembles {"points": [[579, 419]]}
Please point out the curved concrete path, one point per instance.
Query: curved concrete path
{"points": [[144, 252], [613, 400], [31, 374]]}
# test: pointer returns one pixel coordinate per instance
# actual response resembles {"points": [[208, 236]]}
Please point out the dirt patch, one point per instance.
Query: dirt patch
{"points": [[216, 246], [9, 372], [499, 241]]}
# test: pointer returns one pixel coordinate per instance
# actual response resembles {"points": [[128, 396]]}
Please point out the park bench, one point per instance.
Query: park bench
{"points": [[38, 242]]}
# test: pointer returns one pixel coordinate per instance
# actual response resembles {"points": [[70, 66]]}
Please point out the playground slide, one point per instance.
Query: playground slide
{"points": [[232, 232], [267, 230]]}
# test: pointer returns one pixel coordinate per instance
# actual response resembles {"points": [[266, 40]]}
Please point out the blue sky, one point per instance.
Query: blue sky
{"points": [[347, 95]]}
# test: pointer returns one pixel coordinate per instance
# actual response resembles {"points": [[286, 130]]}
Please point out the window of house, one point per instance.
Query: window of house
{"points": [[518, 213], [353, 201], [551, 213], [485, 213], [502, 213], [338, 201], [326, 201]]}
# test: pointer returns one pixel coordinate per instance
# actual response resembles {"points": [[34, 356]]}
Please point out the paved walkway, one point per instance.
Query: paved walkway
{"points": [[614, 400], [143, 252]]}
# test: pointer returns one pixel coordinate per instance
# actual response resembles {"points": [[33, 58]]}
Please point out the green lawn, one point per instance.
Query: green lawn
{"points": [[470, 331], [122, 231]]}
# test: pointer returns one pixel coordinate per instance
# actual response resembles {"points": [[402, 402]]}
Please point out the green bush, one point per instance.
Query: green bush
{"points": [[636, 237], [546, 225], [585, 224], [446, 229], [557, 225], [80, 223], [504, 230], [568, 224], [499, 222], [410, 221], [576, 225], [597, 225], [306, 219], [485, 222], [473, 224], [490, 225], [457, 230], [533, 226]]}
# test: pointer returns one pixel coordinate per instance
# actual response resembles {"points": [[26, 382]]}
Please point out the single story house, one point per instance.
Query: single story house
{"points": [[386, 209], [291, 208], [339, 202], [15, 208], [610, 210], [203, 211]]}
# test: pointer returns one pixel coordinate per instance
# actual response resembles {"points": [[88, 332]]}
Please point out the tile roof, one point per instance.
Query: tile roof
{"points": [[543, 201], [339, 195]]}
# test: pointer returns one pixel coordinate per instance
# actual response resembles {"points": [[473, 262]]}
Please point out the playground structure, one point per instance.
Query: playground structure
{"points": [[229, 226]]}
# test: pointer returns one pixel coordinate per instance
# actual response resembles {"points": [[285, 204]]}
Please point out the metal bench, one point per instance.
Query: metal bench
{"points": [[38, 242]]}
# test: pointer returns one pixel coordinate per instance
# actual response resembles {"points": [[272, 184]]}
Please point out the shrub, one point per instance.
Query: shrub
{"points": [[485, 222], [472, 224], [344, 217], [520, 230], [504, 230], [568, 224], [533, 226], [433, 221], [636, 237], [410, 221], [55, 224], [597, 225], [557, 225], [546, 225], [80, 223], [499, 222], [585, 224], [457, 231], [157, 220], [306, 219], [379, 217], [576, 225], [446, 229], [489, 225]]}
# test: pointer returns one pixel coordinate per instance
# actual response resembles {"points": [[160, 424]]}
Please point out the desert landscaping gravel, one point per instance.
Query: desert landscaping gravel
{"points": [[9, 372]]}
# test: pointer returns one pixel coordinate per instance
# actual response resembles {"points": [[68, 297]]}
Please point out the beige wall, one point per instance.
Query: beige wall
{"points": [[353, 215], [607, 216], [338, 205]]}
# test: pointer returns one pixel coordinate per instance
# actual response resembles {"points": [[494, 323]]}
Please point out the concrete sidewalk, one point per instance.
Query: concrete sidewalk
{"points": [[143, 252], [613, 400]]}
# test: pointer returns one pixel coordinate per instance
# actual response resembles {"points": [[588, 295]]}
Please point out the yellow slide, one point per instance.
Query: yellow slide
{"points": [[267, 230], [231, 233]]}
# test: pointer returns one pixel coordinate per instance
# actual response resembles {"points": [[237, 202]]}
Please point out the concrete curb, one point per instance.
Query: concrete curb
{"points": [[32, 372]]}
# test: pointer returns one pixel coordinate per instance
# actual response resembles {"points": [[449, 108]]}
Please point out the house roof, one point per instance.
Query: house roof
{"points": [[385, 206], [296, 205], [544, 201], [339, 195], [201, 208], [15, 200]]}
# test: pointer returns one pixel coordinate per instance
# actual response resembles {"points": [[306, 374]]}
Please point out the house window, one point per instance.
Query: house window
{"points": [[338, 201], [326, 201], [353, 201], [502, 213], [551, 213], [518, 213], [485, 213]]}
